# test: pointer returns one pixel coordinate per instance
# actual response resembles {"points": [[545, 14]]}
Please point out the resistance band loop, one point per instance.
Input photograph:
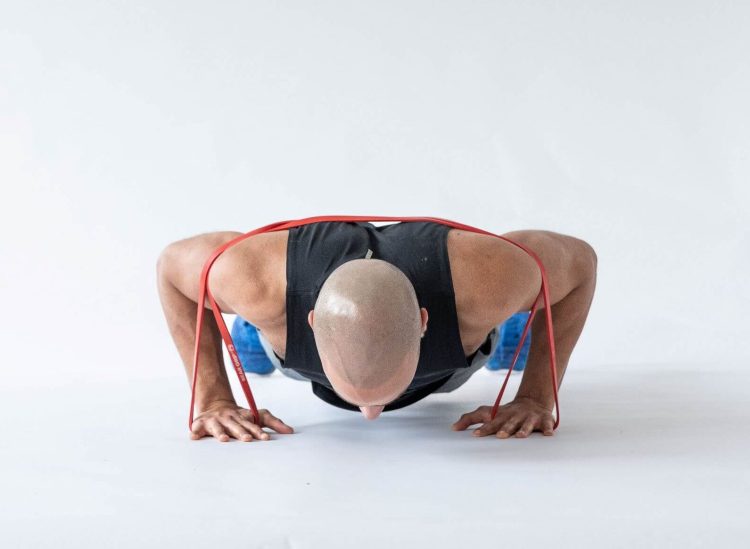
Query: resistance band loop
{"points": [[205, 291]]}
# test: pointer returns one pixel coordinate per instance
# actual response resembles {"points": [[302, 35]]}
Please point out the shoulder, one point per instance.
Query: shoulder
{"points": [[492, 278], [250, 276], [555, 248]]}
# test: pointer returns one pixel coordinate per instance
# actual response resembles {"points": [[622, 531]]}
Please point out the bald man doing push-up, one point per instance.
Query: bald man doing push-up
{"points": [[377, 318]]}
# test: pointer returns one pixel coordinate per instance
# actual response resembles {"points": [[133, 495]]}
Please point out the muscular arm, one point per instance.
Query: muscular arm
{"points": [[513, 283], [237, 277], [571, 270], [178, 276]]}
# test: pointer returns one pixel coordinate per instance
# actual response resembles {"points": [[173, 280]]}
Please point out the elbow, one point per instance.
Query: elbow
{"points": [[593, 259], [164, 261], [586, 260], [590, 260]]}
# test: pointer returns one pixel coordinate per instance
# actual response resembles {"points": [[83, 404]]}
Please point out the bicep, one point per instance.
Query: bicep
{"points": [[568, 261]]}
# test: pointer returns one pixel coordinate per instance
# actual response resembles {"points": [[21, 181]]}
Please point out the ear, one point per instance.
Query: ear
{"points": [[310, 318], [425, 316]]}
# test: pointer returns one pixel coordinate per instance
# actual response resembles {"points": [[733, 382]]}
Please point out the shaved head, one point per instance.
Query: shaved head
{"points": [[367, 325]]}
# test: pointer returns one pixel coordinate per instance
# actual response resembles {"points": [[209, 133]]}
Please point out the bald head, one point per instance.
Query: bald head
{"points": [[367, 324]]}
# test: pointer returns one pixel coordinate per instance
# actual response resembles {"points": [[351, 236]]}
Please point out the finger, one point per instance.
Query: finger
{"points": [[528, 426], [245, 418], [509, 427], [251, 427], [237, 430], [269, 420], [490, 427], [255, 429], [216, 430], [197, 430], [245, 413], [480, 415], [548, 426]]}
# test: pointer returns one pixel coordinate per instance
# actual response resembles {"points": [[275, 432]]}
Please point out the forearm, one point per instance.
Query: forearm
{"points": [[568, 318], [212, 383]]}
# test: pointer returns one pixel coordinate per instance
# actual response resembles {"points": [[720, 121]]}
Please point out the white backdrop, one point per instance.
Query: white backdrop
{"points": [[127, 125]]}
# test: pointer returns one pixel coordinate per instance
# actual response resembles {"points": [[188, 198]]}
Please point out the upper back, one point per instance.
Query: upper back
{"points": [[418, 249], [485, 278]]}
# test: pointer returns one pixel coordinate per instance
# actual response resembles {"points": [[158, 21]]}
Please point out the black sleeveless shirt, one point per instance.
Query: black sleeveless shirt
{"points": [[419, 250]]}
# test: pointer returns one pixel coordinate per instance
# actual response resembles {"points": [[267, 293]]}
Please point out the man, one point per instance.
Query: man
{"points": [[377, 317]]}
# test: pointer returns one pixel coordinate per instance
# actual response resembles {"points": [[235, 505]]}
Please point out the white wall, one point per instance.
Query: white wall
{"points": [[126, 125]]}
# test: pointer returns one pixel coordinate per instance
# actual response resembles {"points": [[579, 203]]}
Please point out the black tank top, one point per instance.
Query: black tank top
{"points": [[419, 249]]}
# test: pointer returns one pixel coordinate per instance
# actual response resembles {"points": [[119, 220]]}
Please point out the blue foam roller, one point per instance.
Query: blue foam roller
{"points": [[510, 335], [252, 355]]}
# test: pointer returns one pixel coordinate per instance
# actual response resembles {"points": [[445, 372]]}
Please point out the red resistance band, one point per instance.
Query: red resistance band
{"points": [[283, 225]]}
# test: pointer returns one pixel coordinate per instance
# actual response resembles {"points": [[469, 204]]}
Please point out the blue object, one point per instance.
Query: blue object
{"points": [[252, 355], [510, 335]]}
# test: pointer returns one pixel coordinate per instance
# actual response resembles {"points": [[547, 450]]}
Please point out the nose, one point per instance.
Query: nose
{"points": [[371, 412]]}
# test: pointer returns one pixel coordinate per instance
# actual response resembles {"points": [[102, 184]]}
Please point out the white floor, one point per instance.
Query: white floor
{"points": [[645, 457]]}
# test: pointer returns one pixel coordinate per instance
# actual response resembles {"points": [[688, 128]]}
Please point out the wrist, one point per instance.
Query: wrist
{"points": [[212, 401], [547, 402]]}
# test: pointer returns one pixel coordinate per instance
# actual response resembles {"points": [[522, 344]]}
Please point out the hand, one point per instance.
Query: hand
{"points": [[224, 419], [520, 417]]}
